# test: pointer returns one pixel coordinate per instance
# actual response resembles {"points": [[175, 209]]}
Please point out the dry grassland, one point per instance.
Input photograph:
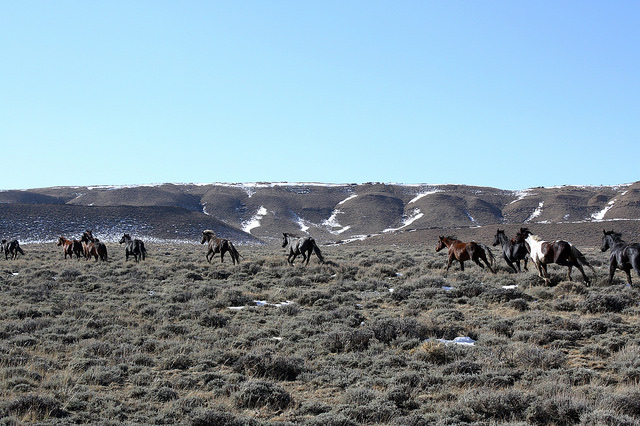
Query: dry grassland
{"points": [[174, 340]]}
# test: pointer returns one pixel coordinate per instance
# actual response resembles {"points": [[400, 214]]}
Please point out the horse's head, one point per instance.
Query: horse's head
{"points": [[285, 239], [125, 238], [60, 241], [609, 238], [521, 235], [207, 235], [440, 244], [500, 236]]}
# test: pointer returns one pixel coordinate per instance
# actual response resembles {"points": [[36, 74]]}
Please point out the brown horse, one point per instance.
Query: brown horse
{"points": [[93, 247], [219, 245], [466, 251], [70, 247]]}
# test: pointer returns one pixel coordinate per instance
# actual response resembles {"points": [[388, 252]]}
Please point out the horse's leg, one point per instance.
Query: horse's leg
{"points": [[584, 275], [510, 263], [449, 262], [483, 256], [569, 268], [613, 265]]}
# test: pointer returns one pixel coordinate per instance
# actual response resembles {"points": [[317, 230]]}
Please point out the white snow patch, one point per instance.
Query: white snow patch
{"points": [[522, 194], [301, 223], [261, 303], [415, 215], [536, 212], [469, 216], [351, 197], [509, 287], [423, 194], [462, 341], [254, 222], [599, 216]]}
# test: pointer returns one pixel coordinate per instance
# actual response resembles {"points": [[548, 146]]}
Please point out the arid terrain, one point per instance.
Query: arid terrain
{"points": [[366, 338], [378, 334], [258, 213]]}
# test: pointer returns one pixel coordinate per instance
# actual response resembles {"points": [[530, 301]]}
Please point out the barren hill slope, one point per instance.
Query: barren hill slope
{"points": [[253, 212]]}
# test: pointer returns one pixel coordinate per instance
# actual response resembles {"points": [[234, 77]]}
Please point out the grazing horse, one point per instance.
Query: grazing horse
{"points": [[70, 247], [559, 252], [11, 248], [623, 255], [219, 245], [93, 247], [513, 251], [301, 246], [133, 247], [466, 251]]}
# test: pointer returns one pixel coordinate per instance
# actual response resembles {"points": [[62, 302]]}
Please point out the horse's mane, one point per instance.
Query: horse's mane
{"points": [[288, 234], [614, 235], [209, 232], [535, 238]]}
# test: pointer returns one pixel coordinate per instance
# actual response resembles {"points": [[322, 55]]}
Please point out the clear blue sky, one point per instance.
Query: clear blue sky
{"points": [[509, 94]]}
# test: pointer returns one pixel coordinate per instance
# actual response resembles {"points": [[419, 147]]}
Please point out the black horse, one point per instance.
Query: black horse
{"points": [[11, 248], [133, 247], [219, 245], [513, 251], [625, 256], [301, 246]]}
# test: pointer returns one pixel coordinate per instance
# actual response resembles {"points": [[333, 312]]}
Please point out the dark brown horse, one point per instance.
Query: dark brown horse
{"points": [[219, 245], [625, 256], [70, 247], [513, 251], [11, 248], [301, 246], [93, 247], [559, 252], [466, 251]]}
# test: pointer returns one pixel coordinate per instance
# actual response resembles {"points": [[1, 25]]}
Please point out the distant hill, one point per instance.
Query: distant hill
{"points": [[254, 213]]}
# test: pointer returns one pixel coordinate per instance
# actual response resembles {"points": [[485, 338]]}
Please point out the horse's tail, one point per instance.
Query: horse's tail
{"points": [[492, 258], [143, 251], [581, 258], [316, 250], [234, 253], [19, 249], [102, 252]]}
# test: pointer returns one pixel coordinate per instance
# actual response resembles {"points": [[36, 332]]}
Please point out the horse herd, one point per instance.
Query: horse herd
{"points": [[527, 246], [523, 247], [90, 247]]}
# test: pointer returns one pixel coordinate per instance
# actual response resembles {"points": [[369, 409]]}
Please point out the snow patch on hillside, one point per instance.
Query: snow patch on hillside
{"points": [[254, 222], [408, 220], [424, 194], [522, 195], [332, 222], [351, 197], [469, 216], [537, 212]]}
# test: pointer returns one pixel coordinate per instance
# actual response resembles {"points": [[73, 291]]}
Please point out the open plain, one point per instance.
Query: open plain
{"points": [[366, 338]]}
